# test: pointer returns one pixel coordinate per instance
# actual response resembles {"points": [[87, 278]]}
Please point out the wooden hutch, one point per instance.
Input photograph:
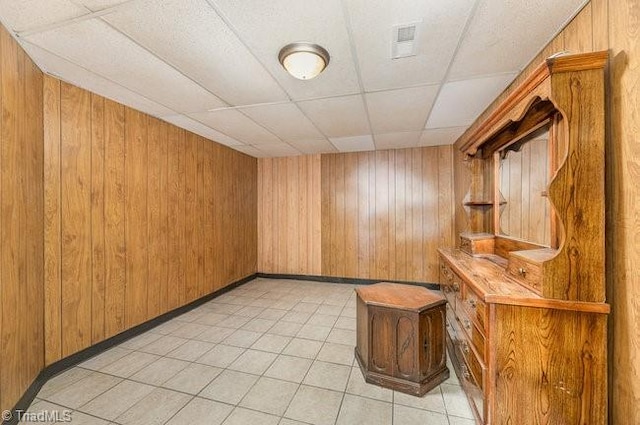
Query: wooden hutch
{"points": [[526, 313]]}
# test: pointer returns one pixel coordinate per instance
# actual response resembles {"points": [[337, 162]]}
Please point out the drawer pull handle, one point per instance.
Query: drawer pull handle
{"points": [[465, 348], [467, 324], [472, 303], [522, 271], [456, 287]]}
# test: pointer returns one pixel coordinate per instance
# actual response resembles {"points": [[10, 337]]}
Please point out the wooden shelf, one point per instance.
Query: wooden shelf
{"points": [[478, 204]]}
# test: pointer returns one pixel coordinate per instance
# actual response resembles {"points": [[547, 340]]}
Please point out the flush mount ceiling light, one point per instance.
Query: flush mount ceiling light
{"points": [[303, 61]]}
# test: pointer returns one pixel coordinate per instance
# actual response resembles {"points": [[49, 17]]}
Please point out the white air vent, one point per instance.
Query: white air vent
{"points": [[404, 39]]}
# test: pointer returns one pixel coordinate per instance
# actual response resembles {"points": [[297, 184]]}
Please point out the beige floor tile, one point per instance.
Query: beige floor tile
{"points": [[159, 371], [315, 332], [249, 311], [117, 400], [190, 330], [358, 386], [129, 364], [79, 418], [328, 375], [285, 328], [322, 320], [364, 411], [155, 409], [329, 309], [140, 341], [296, 317], [221, 355], [456, 401], [229, 387], [454, 420], [271, 343], [263, 302], [348, 323], [191, 350], [105, 358], [259, 325], [193, 378], [242, 338], [403, 415], [41, 409], [303, 348], [167, 327], [306, 307], [224, 308], [289, 368], [314, 406], [272, 314], [215, 334], [342, 336], [212, 318], [241, 416], [270, 396], [200, 411], [83, 391], [286, 421], [336, 353], [432, 400], [163, 345], [253, 361], [63, 380], [234, 322]]}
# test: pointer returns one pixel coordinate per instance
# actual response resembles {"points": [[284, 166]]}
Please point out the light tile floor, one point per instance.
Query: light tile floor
{"points": [[269, 352]]}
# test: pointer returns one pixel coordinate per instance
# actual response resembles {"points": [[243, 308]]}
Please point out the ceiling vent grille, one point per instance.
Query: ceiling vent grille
{"points": [[404, 39]]}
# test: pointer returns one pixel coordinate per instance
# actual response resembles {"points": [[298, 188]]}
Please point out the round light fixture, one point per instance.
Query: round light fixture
{"points": [[303, 61]]}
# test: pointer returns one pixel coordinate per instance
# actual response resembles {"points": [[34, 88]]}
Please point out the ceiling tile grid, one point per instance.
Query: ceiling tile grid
{"points": [[211, 66]]}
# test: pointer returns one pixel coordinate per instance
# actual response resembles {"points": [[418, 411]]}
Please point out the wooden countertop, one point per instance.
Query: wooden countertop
{"points": [[491, 282], [399, 296]]}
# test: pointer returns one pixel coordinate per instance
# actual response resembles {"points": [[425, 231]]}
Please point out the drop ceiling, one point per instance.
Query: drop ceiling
{"points": [[211, 66]]}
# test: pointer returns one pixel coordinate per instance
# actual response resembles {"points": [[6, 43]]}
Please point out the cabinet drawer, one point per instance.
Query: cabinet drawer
{"points": [[526, 272], [450, 284], [472, 334], [473, 370], [475, 308]]}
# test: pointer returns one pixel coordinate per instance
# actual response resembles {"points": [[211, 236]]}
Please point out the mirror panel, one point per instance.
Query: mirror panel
{"points": [[523, 179]]}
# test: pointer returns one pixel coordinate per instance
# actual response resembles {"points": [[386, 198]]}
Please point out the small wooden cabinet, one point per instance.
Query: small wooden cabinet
{"points": [[400, 337]]}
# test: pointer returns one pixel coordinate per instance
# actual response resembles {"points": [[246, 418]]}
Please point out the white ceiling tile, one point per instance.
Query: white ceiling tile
{"points": [[236, 125], [201, 129], [194, 39], [439, 33], [251, 150], [97, 47], [96, 5], [338, 116], [407, 139], [80, 77], [313, 146], [284, 120], [353, 143], [505, 35], [270, 25], [400, 110], [460, 102], [277, 149], [440, 136], [27, 14]]}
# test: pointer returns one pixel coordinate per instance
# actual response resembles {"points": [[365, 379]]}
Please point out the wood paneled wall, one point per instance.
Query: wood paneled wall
{"points": [[21, 222], [141, 217], [608, 25], [289, 215], [369, 215]]}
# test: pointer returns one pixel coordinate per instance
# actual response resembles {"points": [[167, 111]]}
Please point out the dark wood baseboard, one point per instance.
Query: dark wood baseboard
{"points": [[347, 280]]}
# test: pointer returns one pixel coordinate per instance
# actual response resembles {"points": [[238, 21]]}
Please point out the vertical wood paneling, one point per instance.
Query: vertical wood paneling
{"points": [[75, 172], [52, 235], [97, 218], [382, 216], [138, 210], [21, 221], [289, 215], [136, 224]]}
